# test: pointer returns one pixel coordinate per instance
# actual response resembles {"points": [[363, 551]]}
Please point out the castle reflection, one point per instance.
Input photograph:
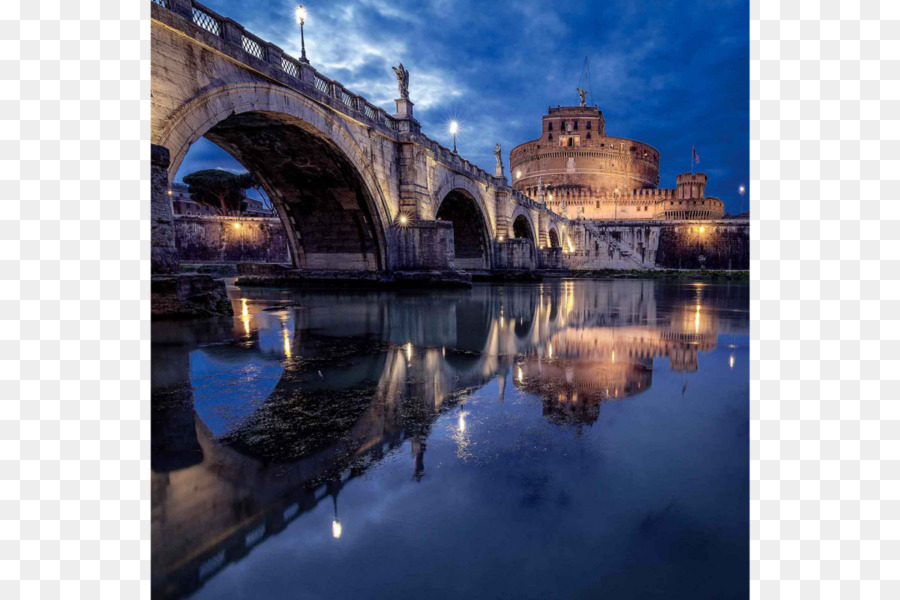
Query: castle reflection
{"points": [[258, 419]]}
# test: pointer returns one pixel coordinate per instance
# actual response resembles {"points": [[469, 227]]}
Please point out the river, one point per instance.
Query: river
{"points": [[568, 439]]}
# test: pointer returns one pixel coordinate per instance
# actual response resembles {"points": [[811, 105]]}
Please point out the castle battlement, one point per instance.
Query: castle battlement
{"points": [[584, 173]]}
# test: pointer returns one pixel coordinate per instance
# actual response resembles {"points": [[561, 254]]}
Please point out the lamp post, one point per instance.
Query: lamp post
{"points": [[616, 205], [454, 128], [741, 191], [301, 18]]}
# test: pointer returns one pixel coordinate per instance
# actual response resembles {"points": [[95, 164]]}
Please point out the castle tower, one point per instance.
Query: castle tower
{"points": [[574, 155], [690, 186]]}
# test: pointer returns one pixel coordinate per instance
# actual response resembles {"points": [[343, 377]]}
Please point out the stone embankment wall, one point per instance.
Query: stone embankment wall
{"points": [[217, 240], [599, 245]]}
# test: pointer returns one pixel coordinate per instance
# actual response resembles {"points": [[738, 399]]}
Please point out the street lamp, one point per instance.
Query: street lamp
{"points": [[454, 128], [741, 191], [301, 18], [616, 205]]}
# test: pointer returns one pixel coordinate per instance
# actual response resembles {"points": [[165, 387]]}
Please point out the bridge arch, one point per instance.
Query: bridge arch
{"points": [[554, 237], [523, 226], [306, 158], [471, 231]]}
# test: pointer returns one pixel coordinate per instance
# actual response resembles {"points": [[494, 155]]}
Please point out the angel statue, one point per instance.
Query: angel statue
{"points": [[498, 154], [402, 80], [582, 94]]}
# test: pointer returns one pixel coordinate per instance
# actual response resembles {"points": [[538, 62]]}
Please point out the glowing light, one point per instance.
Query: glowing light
{"points": [[245, 317], [614, 356], [702, 229], [697, 320], [500, 239], [169, 192], [454, 127], [237, 225], [287, 338], [741, 189], [549, 350], [520, 375], [462, 421], [300, 14], [518, 174], [403, 219], [409, 351], [731, 361], [569, 242], [336, 529]]}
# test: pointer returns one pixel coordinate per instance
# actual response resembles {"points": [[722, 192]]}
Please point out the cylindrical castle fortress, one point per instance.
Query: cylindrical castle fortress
{"points": [[580, 172]]}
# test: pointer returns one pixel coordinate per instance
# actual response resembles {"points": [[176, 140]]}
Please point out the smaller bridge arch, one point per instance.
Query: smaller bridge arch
{"points": [[523, 226], [555, 240], [463, 207]]}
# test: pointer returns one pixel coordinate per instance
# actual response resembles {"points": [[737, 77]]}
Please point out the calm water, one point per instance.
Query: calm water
{"points": [[571, 439]]}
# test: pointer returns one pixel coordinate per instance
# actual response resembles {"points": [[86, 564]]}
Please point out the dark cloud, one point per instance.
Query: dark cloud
{"points": [[671, 74]]}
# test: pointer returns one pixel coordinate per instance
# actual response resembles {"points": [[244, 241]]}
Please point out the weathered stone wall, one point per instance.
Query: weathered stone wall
{"points": [[162, 233], [722, 246], [424, 245], [515, 253], [216, 239], [660, 245]]}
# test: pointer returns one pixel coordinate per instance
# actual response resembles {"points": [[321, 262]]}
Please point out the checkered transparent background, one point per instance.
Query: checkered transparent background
{"points": [[74, 264]]}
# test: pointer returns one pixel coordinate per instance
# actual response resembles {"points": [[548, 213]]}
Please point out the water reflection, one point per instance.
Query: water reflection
{"points": [[259, 419]]}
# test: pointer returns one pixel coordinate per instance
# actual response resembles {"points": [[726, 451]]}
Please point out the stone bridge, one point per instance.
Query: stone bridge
{"points": [[358, 189]]}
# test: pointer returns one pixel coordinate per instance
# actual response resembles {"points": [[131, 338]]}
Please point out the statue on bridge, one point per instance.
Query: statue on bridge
{"points": [[582, 94], [498, 154], [402, 80]]}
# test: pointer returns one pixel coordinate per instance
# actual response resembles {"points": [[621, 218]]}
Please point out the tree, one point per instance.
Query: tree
{"points": [[220, 189]]}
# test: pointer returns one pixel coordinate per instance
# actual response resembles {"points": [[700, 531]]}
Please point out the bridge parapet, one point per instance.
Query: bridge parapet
{"points": [[230, 37]]}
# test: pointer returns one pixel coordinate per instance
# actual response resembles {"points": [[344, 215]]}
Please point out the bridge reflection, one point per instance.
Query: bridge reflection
{"points": [[258, 419]]}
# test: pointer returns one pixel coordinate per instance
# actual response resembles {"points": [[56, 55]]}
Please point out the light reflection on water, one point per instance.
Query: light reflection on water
{"points": [[482, 443]]}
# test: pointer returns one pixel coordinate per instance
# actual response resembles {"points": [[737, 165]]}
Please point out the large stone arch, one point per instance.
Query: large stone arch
{"points": [[471, 227], [220, 113]]}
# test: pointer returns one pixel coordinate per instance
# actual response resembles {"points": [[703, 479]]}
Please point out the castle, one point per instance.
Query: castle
{"points": [[580, 172]]}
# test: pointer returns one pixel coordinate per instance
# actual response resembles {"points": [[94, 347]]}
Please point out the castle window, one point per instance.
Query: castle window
{"points": [[576, 124], [589, 125], [550, 126], [549, 136], [571, 141], [589, 133]]}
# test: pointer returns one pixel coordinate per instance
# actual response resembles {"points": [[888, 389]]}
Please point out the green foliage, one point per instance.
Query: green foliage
{"points": [[222, 190]]}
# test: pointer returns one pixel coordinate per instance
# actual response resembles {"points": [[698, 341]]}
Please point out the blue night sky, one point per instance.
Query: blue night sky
{"points": [[671, 74]]}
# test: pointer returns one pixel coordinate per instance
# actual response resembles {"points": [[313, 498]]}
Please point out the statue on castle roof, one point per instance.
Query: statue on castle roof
{"points": [[402, 80], [582, 94]]}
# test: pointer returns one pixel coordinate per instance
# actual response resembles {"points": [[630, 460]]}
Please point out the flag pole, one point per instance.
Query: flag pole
{"points": [[692, 160]]}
